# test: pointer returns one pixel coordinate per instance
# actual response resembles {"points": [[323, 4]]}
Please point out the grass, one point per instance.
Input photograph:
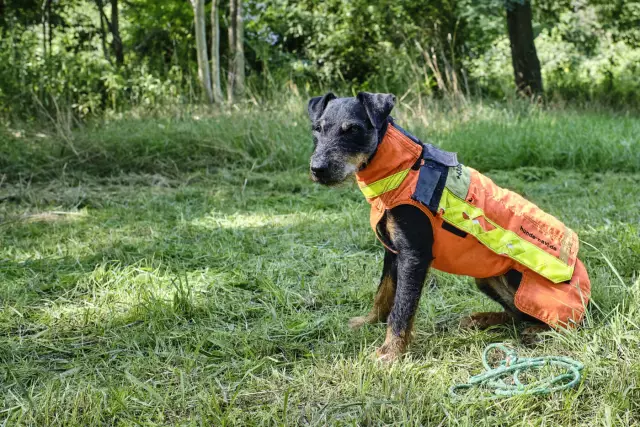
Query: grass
{"points": [[179, 287], [274, 138]]}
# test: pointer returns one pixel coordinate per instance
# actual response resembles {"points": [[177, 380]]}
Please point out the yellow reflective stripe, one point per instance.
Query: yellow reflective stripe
{"points": [[501, 241], [383, 185]]}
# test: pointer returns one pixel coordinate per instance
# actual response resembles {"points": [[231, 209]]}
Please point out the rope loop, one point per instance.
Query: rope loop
{"points": [[504, 379]]}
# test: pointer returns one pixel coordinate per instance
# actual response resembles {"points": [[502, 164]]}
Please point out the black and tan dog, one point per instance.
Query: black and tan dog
{"points": [[347, 133]]}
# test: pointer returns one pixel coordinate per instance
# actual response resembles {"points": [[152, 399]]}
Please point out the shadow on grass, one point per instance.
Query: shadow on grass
{"points": [[214, 280], [247, 280]]}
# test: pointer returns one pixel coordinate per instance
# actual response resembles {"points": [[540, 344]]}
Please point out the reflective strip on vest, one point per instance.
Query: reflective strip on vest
{"points": [[501, 241], [383, 185]]}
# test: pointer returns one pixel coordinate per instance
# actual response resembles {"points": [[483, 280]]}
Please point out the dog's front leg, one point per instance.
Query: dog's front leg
{"points": [[383, 300], [413, 241], [412, 272]]}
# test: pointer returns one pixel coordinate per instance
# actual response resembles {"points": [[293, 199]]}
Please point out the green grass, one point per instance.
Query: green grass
{"points": [[219, 295], [274, 138]]}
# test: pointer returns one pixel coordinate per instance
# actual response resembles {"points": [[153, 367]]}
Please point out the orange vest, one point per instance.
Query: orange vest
{"points": [[479, 229]]}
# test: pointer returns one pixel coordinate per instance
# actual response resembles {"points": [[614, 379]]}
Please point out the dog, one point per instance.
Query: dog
{"points": [[428, 210]]}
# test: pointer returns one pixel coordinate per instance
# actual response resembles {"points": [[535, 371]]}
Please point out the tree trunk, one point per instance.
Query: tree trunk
{"points": [[239, 50], [231, 78], [215, 51], [526, 66], [46, 22], [116, 43], [235, 86], [44, 37], [201, 48], [50, 29], [103, 31]]}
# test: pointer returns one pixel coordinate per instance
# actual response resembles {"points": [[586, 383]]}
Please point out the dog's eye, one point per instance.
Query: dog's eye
{"points": [[350, 129], [317, 128]]}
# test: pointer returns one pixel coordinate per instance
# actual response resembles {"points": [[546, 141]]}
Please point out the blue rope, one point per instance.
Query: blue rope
{"points": [[512, 366]]}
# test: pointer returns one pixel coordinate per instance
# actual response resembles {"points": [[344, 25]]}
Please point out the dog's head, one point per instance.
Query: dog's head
{"points": [[346, 132]]}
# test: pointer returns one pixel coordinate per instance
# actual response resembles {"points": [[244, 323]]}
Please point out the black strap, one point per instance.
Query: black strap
{"points": [[431, 181], [451, 229], [446, 158], [433, 175]]}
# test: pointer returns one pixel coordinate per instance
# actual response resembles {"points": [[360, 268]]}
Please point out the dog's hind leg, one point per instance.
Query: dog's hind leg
{"points": [[484, 320], [383, 301], [501, 289]]}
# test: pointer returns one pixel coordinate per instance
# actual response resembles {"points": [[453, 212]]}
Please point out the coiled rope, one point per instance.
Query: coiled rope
{"points": [[511, 367]]}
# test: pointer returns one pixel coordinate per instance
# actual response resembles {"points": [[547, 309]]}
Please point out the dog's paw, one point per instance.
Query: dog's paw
{"points": [[393, 348], [387, 354], [484, 320], [468, 322], [358, 322], [532, 335]]}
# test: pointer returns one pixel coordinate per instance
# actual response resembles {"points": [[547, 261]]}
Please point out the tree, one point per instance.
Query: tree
{"points": [[103, 32], [114, 29], [235, 86], [46, 22], [526, 66], [116, 41], [201, 48], [215, 50]]}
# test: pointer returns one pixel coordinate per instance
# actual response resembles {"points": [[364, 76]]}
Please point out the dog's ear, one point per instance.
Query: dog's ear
{"points": [[378, 106], [318, 104]]}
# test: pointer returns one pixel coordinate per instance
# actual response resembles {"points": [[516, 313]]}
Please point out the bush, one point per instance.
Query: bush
{"points": [[77, 77], [579, 59]]}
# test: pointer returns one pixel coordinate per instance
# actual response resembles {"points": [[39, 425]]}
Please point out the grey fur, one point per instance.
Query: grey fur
{"points": [[378, 106], [318, 104], [346, 133]]}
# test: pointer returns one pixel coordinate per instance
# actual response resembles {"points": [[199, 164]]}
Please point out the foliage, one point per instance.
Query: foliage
{"points": [[589, 51], [361, 43], [76, 72], [582, 58]]}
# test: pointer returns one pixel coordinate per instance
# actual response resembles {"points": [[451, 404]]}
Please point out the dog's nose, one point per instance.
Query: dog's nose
{"points": [[320, 169]]}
